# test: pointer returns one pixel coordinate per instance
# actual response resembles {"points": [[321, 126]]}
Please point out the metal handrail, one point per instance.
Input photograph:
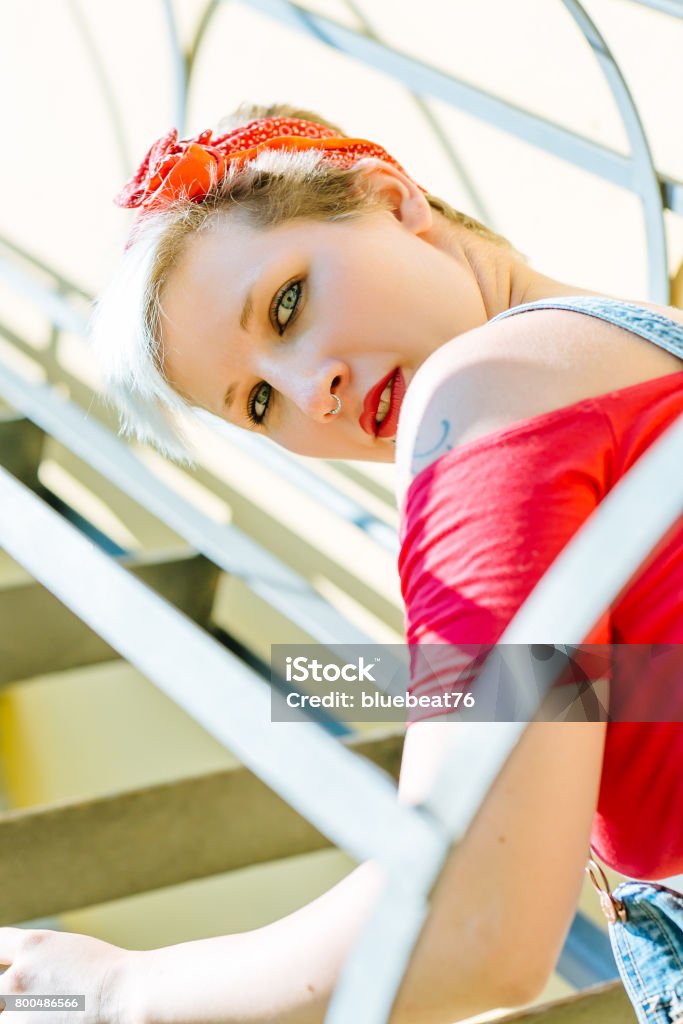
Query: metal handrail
{"points": [[645, 182], [349, 800], [642, 507], [226, 545], [309, 483]]}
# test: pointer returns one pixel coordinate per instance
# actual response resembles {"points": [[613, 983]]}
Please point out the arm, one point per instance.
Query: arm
{"points": [[507, 897]]}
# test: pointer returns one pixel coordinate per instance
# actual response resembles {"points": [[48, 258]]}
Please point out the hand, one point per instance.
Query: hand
{"points": [[42, 962]]}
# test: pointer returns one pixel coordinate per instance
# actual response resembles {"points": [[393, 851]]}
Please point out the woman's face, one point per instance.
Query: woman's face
{"points": [[263, 327]]}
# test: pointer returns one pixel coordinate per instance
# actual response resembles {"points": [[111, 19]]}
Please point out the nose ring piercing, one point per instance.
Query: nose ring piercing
{"points": [[335, 412]]}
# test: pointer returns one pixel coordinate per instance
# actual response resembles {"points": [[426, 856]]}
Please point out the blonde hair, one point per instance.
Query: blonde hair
{"points": [[274, 188]]}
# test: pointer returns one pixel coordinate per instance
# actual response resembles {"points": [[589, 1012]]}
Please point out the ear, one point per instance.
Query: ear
{"points": [[406, 200]]}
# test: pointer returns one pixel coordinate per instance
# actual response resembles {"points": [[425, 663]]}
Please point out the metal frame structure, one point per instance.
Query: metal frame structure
{"points": [[352, 803], [635, 172]]}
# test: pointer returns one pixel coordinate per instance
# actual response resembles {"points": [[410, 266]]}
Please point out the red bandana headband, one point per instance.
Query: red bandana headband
{"points": [[189, 168]]}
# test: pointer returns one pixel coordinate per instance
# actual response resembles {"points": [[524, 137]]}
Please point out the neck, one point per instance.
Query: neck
{"points": [[505, 279]]}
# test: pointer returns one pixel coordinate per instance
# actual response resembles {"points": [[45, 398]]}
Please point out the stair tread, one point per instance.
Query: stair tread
{"points": [[81, 852], [83, 732]]}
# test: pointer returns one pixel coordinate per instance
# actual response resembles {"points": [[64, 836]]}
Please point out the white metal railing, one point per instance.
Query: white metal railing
{"points": [[639, 511], [226, 545], [353, 803]]}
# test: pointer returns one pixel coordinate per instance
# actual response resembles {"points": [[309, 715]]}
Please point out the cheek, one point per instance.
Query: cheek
{"points": [[312, 440], [304, 442]]}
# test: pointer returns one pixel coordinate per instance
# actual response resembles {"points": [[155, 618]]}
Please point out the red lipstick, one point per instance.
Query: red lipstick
{"points": [[367, 419], [389, 424]]}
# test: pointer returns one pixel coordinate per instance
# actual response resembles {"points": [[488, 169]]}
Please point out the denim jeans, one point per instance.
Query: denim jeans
{"points": [[647, 940]]}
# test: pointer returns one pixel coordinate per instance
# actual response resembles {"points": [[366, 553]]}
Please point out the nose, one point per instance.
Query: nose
{"points": [[316, 393]]}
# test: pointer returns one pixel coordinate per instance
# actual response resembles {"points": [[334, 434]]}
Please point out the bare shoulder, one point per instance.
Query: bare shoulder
{"points": [[473, 385], [513, 369]]}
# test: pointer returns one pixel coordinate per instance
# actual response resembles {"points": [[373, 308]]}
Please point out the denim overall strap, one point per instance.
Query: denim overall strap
{"points": [[646, 323]]}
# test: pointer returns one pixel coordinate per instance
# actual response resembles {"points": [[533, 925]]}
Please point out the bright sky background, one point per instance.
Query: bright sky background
{"points": [[60, 164]]}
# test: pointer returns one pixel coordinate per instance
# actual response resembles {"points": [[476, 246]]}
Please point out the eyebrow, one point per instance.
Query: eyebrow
{"points": [[247, 310], [229, 395]]}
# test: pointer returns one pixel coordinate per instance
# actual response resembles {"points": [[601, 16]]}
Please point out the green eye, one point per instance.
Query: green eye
{"points": [[282, 310], [285, 305], [258, 405]]}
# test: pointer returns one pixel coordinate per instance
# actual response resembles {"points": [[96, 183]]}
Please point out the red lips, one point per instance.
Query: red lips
{"points": [[389, 424]]}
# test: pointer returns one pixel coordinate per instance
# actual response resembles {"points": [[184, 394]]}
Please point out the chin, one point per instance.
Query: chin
{"points": [[380, 453]]}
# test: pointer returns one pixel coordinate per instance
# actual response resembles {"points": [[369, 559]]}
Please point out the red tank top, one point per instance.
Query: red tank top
{"points": [[479, 528]]}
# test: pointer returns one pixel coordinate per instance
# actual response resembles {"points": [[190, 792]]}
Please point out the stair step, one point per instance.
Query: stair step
{"points": [[21, 446], [38, 634], [79, 853]]}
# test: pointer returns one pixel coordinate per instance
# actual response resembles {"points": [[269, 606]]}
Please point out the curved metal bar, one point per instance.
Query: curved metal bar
{"points": [[422, 78], [645, 179], [636, 174], [642, 507], [479, 207], [105, 88], [200, 31], [179, 68]]}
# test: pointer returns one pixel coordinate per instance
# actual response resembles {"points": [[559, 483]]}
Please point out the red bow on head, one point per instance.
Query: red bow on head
{"points": [[189, 168], [172, 169]]}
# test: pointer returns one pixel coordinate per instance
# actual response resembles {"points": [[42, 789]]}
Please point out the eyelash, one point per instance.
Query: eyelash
{"points": [[275, 305], [280, 328]]}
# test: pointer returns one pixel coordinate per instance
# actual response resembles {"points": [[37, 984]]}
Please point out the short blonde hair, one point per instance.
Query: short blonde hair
{"points": [[278, 186]]}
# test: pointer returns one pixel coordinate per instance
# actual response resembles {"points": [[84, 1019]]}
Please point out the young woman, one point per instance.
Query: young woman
{"points": [[300, 284]]}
